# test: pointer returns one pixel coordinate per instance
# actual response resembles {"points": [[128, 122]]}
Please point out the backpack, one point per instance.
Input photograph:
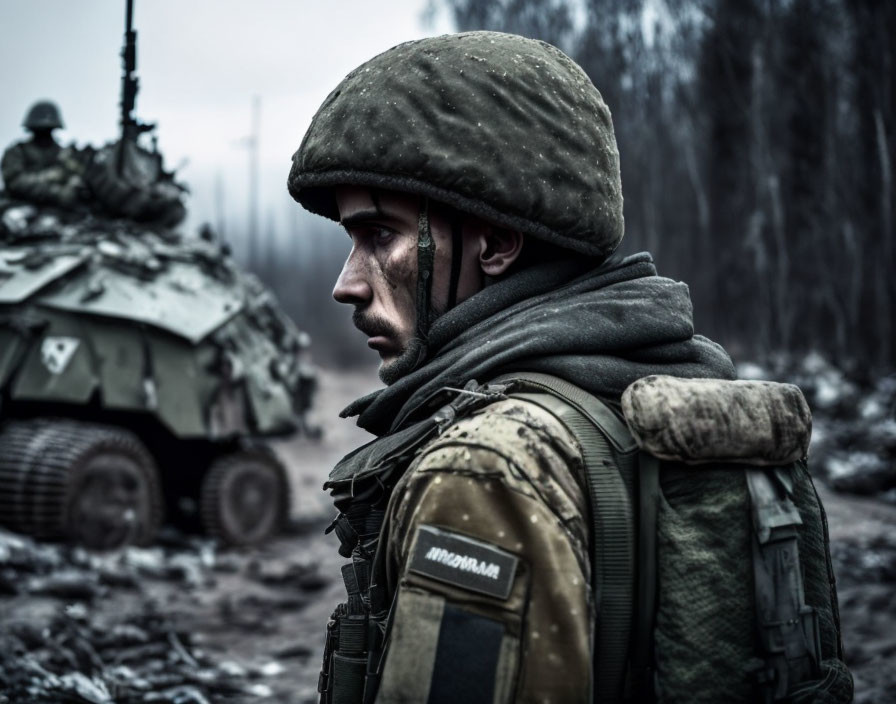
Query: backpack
{"points": [[712, 575]]}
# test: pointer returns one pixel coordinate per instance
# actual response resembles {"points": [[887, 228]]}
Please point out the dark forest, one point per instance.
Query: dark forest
{"points": [[757, 146]]}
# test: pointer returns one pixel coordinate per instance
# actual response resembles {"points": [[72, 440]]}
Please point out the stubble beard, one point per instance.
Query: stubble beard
{"points": [[404, 364], [408, 359]]}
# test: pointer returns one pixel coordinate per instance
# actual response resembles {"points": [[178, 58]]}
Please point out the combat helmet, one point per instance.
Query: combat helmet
{"points": [[43, 115], [496, 125]]}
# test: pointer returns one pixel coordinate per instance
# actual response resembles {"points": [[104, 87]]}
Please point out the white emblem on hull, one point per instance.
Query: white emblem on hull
{"points": [[57, 352]]}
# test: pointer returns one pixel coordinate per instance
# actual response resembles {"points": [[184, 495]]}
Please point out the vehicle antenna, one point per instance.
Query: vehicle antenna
{"points": [[131, 127]]}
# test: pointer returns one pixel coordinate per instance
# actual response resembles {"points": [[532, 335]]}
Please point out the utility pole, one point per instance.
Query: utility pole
{"points": [[252, 144], [268, 265], [220, 200]]}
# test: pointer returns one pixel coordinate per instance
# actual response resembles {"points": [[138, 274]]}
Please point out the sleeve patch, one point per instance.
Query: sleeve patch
{"points": [[466, 658], [463, 562]]}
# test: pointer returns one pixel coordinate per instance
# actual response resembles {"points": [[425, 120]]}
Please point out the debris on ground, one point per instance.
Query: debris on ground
{"points": [[853, 445], [68, 645]]}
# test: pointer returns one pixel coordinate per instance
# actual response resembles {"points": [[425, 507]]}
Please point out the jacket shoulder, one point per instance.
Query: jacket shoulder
{"points": [[501, 486], [14, 154], [510, 447], [514, 432]]}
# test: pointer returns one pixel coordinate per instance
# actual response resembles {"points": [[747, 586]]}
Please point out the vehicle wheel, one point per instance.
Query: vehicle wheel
{"points": [[92, 485], [245, 497]]}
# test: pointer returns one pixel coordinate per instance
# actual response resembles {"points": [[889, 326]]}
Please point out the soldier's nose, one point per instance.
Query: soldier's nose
{"points": [[351, 286]]}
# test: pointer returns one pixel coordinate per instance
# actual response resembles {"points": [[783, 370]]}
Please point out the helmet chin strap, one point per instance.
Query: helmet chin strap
{"points": [[426, 251], [457, 255]]}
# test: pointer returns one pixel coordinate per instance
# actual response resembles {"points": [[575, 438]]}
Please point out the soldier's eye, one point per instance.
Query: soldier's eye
{"points": [[380, 234], [371, 234]]}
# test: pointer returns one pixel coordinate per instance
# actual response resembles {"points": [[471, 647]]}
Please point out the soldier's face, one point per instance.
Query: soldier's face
{"points": [[380, 275]]}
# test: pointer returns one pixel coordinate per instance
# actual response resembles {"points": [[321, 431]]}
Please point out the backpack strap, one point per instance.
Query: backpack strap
{"points": [[611, 459], [642, 671]]}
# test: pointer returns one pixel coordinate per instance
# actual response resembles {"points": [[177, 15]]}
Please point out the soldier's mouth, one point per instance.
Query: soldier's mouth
{"points": [[380, 333], [380, 343]]}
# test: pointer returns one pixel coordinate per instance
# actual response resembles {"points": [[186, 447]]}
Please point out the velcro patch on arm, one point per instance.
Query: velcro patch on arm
{"points": [[463, 562], [467, 658]]}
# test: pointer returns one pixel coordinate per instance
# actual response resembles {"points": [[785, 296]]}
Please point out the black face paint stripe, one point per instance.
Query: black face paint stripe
{"points": [[457, 252]]}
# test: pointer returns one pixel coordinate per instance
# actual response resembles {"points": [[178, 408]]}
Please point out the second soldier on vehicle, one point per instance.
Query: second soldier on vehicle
{"points": [[39, 169]]}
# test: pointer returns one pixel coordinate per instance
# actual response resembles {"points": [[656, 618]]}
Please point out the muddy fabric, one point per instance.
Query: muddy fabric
{"points": [[415, 634], [510, 476], [600, 329], [499, 126], [703, 420], [704, 634], [705, 627]]}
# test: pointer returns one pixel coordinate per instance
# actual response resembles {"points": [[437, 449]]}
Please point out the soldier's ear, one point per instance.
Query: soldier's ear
{"points": [[498, 249]]}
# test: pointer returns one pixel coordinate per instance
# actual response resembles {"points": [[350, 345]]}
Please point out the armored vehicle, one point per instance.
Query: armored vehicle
{"points": [[140, 369], [135, 363]]}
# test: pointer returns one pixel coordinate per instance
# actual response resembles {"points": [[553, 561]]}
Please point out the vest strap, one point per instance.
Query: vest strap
{"points": [[609, 452]]}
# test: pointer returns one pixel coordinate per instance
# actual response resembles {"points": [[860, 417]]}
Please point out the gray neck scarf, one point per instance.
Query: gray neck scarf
{"points": [[600, 330]]}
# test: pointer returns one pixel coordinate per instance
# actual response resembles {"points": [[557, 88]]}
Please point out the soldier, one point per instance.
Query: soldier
{"points": [[477, 177], [40, 170]]}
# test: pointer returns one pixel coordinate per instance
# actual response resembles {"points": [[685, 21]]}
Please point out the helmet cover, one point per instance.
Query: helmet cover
{"points": [[503, 127]]}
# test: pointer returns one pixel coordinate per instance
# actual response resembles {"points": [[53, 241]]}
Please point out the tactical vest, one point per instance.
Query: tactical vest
{"points": [[649, 642]]}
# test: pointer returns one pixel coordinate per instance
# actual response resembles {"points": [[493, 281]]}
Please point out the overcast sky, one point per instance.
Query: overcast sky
{"points": [[199, 62]]}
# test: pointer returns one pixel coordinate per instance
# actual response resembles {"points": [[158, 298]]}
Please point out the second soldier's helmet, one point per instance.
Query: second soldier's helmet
{"points": [[43, 115], [506, 128]]}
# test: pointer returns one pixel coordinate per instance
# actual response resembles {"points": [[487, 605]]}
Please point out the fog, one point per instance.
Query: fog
{"points": [[200, 63]]}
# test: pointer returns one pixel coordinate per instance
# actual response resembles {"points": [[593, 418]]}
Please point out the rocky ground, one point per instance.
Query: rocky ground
{"points": [[188, 623], [863, 546]]}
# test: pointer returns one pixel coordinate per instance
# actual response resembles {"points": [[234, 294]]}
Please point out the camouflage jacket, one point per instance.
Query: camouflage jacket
{"points": [[507, 616], [48, 175], [511, 616]]}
